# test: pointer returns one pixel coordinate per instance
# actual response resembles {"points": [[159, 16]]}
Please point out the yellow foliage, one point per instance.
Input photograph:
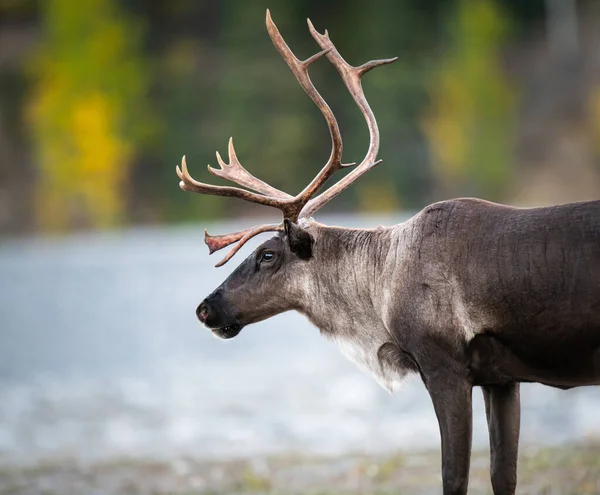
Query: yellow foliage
{"points": [[595, 114], [82, 171], [377, 196], [88, 78]]}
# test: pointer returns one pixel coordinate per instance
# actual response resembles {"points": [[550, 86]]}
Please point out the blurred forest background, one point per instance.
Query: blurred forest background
{"points": [[99, 100]]}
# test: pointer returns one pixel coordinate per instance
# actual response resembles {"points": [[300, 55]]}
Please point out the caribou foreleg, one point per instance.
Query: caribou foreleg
{"points": [[503, 411], [451, 395]]}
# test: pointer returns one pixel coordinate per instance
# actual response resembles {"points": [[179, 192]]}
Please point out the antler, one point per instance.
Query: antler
{"points": [[235, 172], [300, 70], [351, 77], [301, 205], [215, 243]]}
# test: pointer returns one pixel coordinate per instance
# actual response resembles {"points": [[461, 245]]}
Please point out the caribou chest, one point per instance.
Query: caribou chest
{"points": [[362, 347]]}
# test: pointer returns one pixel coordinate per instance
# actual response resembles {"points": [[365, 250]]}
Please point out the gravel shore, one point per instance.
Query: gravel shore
{"points": [[573, 469]]}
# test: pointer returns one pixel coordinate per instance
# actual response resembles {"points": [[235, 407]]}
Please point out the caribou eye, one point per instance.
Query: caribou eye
{"points": [[267, 256]]}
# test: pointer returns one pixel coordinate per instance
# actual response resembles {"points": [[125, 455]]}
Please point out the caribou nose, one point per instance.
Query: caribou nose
{"points": [[202, 312], [208, 310]]}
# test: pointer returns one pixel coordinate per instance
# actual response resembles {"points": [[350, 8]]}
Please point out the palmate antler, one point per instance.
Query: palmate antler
{"points": [[305, 203]]}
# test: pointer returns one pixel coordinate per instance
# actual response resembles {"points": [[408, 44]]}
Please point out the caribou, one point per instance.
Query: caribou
{"points": [[465, 293]]}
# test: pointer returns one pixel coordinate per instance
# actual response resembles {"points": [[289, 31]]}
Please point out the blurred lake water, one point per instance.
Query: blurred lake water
{"points": [[101, 356]]}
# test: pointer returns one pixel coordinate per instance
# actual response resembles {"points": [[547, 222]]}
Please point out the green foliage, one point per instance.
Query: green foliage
{"points": [[87, 112], [122, 89], [188, 125], [471, 118]]}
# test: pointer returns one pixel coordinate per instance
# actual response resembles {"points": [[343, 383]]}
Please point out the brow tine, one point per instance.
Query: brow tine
{"points": [[215, 243]]}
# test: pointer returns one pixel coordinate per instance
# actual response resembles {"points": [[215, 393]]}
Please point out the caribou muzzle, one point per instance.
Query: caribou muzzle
{"points": [[214, 314]]}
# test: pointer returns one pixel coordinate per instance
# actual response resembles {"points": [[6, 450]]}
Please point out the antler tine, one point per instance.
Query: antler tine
{"points": [[215, 243], [352, 79], [188, 183], [235, 172]]}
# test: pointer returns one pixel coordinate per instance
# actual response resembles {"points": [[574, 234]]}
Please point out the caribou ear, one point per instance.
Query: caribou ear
{"points": [[300, 240]]}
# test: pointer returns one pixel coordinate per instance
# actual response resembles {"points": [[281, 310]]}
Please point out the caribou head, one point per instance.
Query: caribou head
{"points": [[271, 280], [267, 283]]}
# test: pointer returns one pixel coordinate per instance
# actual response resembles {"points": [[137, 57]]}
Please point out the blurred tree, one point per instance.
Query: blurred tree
{"points": [[397, 93], [88, 111], [470, 122], [594, 105]]}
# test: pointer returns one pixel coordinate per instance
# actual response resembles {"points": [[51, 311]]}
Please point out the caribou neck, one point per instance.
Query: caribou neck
{"points": [[348, 277]]}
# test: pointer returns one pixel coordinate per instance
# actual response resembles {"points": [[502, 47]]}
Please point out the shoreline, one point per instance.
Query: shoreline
{"points": [[571, 468]]}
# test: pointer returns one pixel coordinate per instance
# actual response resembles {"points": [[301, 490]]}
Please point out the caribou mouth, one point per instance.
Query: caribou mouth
{"points": [[227, 332]]}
